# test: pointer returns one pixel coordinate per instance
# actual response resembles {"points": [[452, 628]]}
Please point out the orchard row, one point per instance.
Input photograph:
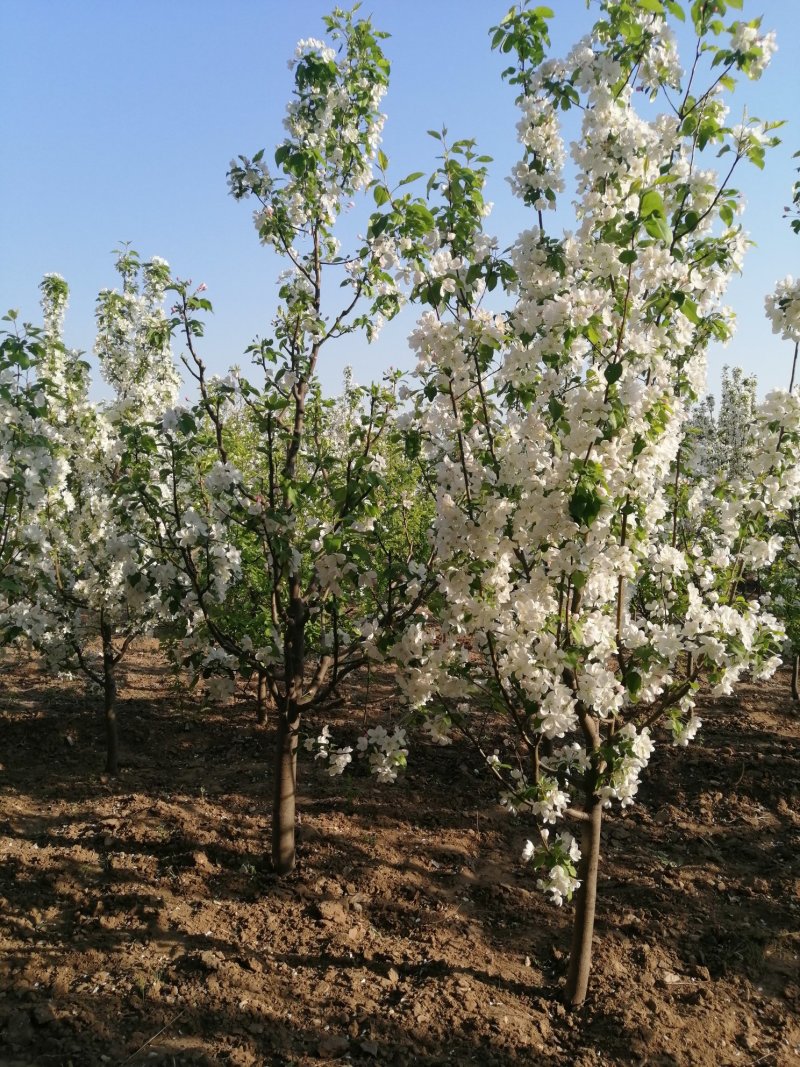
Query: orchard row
{"points": [[545, 523]]}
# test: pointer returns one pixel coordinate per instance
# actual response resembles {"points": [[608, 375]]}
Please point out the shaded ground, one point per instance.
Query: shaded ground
{"points": [[139, 922]]}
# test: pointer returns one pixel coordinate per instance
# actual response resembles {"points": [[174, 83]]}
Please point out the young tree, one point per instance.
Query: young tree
{"points": [[719, 450], [569, 601], [29, 465], [93, 587], [783, 311], [720, 437], [286, 565]]}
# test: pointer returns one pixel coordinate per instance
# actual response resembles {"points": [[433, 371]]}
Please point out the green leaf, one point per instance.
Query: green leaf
{"points": [[613, 373], [658, 227], [421, 217], [378, 225], [652, 204], [412, 443], [585, 505], [633, 683], [381, 194], [675, 10]]}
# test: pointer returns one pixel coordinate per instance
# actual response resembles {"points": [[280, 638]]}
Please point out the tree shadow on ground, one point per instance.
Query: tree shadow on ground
{"points": [[409, 933]]}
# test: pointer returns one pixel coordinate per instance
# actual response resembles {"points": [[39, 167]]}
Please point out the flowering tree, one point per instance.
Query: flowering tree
{"points": [[296, 564], [720, 438], [29, 466], [578, 597], [93, 587], [720, 449], [783, 311]]}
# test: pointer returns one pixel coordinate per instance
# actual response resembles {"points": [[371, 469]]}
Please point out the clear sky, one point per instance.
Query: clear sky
{"points": [[119, 121]]}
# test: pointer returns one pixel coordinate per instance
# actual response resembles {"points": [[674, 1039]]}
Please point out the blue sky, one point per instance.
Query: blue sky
{"points": [[119, 121]]}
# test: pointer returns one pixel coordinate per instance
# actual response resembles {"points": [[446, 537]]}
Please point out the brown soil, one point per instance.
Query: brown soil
{"points": [[140, 923]]}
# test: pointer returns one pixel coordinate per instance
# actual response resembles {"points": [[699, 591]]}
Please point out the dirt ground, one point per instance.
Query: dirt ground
{"points": [[140, 923]]}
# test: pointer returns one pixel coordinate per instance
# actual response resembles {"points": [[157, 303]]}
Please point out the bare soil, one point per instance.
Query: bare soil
{"points": [[140, 922]]}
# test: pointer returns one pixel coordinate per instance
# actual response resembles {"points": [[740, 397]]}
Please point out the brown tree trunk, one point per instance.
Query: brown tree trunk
{"points": [[795, 678], [261, 698], [110, 701], [580, 956], [284, 798], [284, 791]]}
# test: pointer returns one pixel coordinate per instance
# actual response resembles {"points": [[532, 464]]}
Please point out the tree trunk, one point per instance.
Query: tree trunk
{"points": [[261, 697], [284, 791], [284, 798], [580, 956], [795, 677], [110, 701]]}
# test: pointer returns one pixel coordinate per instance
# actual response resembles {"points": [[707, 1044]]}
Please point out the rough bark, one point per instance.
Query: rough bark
{"points": [[580, 957], [285, 784], [110, 701], [284, 793]]}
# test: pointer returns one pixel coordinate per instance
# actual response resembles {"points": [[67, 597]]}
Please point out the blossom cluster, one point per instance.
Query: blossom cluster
{"points": [[88, 571], [783, 309], [385, 751]]}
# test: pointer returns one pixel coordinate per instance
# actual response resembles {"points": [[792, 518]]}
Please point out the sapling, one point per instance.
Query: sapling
{"points": [[30, 467], [288, 565], [783, 582], [570, 595], [92, 586]]}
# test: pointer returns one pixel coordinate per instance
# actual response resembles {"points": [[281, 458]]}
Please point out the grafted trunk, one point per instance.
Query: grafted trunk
{"points": [[580, 957], [795, 678], [284, 791], [261, 698], [110, 700]]}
